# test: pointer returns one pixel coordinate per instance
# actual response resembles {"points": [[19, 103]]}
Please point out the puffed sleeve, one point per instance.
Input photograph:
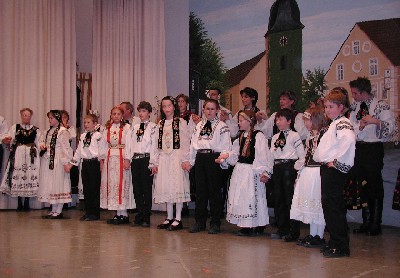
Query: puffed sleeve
{"points": [[263, 162], [127, 134], [193, 141], [233, 126], [154, 152], [37, 138], [184, 137], [77, 155], [345, 150], [387, 129], [103, 145], [267, 126], [300, 127], [234, 153], [66, 150], [3, 128], [301, 153]]}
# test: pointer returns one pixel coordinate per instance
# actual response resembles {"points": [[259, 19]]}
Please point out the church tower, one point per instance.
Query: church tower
{"points": [[283, 42]]}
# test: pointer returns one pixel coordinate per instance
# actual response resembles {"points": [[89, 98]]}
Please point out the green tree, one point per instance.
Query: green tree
{"points": [[205, 56], [312, 88]]}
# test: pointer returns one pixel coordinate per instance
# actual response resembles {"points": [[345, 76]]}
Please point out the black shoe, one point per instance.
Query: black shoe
{"points": [[290, 238], [122, 220], [245, 232], [83, 218], [137, 223], [197, 228], [336, 253], [112, 220], [361, 230], [214, 229], [374, 230], [165, 224], [315, 242], [91, 217], [302, 241], [26, 204], [258, 231], [47, 216], [177, 227], [57, 216]]}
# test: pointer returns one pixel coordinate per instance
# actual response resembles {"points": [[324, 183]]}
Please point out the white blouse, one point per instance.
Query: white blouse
{"points": [[293, 148], [184, 139], [263, 162], [97, 149], [219, 140], [337, 145], [378, 109]]}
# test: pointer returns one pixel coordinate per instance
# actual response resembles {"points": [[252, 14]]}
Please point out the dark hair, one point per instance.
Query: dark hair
{"points": [[362, 84], [216, 89], [290, 95], [251, 93], [145, 105], [174, 103], [207, 100], [128, 105], [185, 97], [93, 117], [285, 112]]}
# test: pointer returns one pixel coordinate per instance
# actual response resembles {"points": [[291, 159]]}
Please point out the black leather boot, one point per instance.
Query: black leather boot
{"points": [[366, 216], [376, 218], [20, 206], [26, 204]]}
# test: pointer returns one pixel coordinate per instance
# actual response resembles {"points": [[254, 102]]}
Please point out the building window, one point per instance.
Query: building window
{"points": [[283, 62], [373, 66], [339, 71], [356, 47], [384, 91], [374, 89]]}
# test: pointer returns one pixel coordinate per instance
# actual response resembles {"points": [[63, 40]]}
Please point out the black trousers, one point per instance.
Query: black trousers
{"points": [[142, 183], [284, 178], [332, 182], [209, 178], [368, 165], [91, 179]]}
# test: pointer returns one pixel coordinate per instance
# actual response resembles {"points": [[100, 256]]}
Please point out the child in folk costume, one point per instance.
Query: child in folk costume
{"points": [[336, 150], [210, 138], [247, 204], [142, 179], [116, 184], [22, 173], [288, 153], [169, 162], [92, 148], [306, 203], [55, 184]]}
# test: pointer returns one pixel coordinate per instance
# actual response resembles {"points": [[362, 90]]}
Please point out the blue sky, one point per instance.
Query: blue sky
{"points": [[238, 26]]}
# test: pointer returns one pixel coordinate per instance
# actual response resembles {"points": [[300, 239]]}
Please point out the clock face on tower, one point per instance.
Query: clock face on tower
{"points": [[283, 41]]}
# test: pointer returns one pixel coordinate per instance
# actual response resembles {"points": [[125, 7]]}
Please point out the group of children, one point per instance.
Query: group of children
{"points": [[120, 165]]}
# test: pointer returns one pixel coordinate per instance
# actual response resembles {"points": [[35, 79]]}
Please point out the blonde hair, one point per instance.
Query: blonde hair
{"points": [[316, 116], [339, 96]]}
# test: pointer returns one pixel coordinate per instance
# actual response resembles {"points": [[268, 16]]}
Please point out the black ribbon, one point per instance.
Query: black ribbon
{"points": [[363, 111], [207, 129], [281, 141]]}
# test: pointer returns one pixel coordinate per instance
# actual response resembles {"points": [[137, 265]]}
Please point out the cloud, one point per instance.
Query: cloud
{"points": [[323, 34]]}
